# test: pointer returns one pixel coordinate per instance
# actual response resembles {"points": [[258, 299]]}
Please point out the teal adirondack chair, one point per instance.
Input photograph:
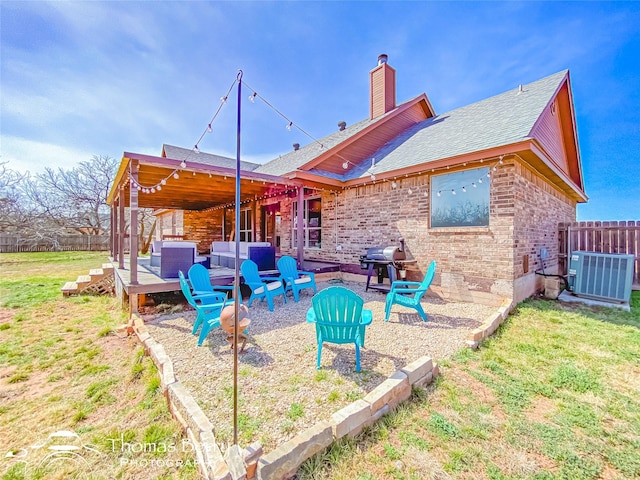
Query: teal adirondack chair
{"points": [[201, 282], [261, 287], [294, 279], [207, 307], [409, 294], [340, 318]]}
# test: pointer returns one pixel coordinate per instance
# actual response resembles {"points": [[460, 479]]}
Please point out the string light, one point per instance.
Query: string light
{"points": [[209, 128], [289, 125], [252, 97]]}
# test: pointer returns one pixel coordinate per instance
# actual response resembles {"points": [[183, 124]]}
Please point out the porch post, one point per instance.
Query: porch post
{"points": [[121, 228], [300, 229], [114, 233], [133, 225]]}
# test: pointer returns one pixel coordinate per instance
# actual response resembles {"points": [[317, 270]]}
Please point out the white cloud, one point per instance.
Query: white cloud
{"points": [[33, 156]]}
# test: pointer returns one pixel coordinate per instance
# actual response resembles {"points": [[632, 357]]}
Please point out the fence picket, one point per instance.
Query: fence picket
{"points": [[604, 237]]}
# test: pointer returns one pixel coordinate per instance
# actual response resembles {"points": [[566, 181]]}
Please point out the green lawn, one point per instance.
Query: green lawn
{"points": [[554, 394], [63, 368]]}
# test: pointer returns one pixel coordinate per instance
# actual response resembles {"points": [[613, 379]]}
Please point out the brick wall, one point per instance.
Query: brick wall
{"points": [[483, 264], [203, 228]]}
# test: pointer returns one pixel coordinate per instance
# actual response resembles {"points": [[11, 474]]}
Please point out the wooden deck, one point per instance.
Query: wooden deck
{"points": [[149, 280]]}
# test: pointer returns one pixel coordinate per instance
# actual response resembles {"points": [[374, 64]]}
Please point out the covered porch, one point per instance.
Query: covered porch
{"points": [[191, 184]]}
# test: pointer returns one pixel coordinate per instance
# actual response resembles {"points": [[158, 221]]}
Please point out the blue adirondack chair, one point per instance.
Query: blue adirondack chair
{"points": [[340, 318], [201, 282], [295, 280], [207, 307], [261, 287], [409, 294]]}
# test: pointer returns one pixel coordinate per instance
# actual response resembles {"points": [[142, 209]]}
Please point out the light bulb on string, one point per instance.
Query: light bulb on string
{"points": [[252, 97], [345, 165], [479, 180], [488, 174], [373, 177], [176, 176], [183, 164], [409, 191], [453, 192], [439, 193], [164, 181], [153, 189], [289, 125], [223, 99], [473, 184], [464, 189], [196, 149], [209, 128], [159, 187]]}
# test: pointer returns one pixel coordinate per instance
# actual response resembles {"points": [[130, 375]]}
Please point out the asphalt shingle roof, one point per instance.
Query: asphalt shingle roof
{"points": [[179, 153], [496, 121]]}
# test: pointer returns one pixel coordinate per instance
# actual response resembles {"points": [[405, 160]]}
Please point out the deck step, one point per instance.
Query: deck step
{"points": [[69, 288], [96, 274], [107, 268], [99, 281]]}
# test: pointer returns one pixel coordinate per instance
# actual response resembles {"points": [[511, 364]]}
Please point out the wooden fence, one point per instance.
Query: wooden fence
{"points": [[16, 243], [603, 237]]}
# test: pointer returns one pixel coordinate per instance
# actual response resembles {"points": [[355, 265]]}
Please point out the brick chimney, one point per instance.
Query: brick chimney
{"points": [[382, 90]]}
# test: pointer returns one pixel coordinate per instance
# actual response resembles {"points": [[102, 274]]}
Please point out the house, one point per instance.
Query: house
{"points": [[480, 189]]}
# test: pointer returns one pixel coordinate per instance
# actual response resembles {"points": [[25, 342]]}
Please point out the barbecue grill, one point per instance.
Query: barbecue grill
{"points": [[388, 262]]}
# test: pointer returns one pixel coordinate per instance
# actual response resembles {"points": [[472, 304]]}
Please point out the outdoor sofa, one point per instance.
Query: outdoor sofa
{"points": [[224, 254], [172, 256]]}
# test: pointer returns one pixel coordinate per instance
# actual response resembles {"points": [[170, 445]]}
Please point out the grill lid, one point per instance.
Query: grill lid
{"points": [[389, 254]]}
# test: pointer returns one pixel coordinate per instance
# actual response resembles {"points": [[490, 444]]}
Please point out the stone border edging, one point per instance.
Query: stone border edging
{"points": [[285, 460], [184, 408], [491, 324]]}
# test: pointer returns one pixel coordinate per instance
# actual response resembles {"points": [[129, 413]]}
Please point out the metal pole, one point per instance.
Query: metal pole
{"points": [[236, 302]]}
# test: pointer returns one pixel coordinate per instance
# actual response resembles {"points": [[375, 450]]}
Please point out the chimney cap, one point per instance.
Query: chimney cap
{"points": [[342, 125], [382, 58]]}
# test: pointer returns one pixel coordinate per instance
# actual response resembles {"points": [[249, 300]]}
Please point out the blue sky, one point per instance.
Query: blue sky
{"points": [[100, 78]]}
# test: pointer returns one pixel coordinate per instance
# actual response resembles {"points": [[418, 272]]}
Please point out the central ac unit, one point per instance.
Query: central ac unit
{"points": [[604, 276]]}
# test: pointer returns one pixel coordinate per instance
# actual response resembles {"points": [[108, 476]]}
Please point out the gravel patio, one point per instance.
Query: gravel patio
{"points": [[280, 391]]}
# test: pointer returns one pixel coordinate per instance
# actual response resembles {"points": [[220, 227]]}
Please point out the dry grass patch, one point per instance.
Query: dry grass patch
{"points": [[64, 370]]}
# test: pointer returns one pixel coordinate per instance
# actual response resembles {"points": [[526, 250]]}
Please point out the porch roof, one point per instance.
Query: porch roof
{"points": [[198, 185]]}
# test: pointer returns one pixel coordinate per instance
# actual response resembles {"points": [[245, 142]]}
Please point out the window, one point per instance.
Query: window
{"points": [[312, 217], [246, 226], [461, 199]]}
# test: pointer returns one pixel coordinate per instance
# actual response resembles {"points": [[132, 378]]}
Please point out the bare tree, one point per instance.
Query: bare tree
{"points": [[76, 199], [15, 209]]}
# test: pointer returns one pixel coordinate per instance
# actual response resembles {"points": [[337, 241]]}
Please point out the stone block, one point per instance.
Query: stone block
{"points": [[426, 380], [391, 392], [235, 463], [285, 460], [417, 369], [159, 355], [351, 419], [190, 411], [251, 455], [167, 376], [213, 458]]}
